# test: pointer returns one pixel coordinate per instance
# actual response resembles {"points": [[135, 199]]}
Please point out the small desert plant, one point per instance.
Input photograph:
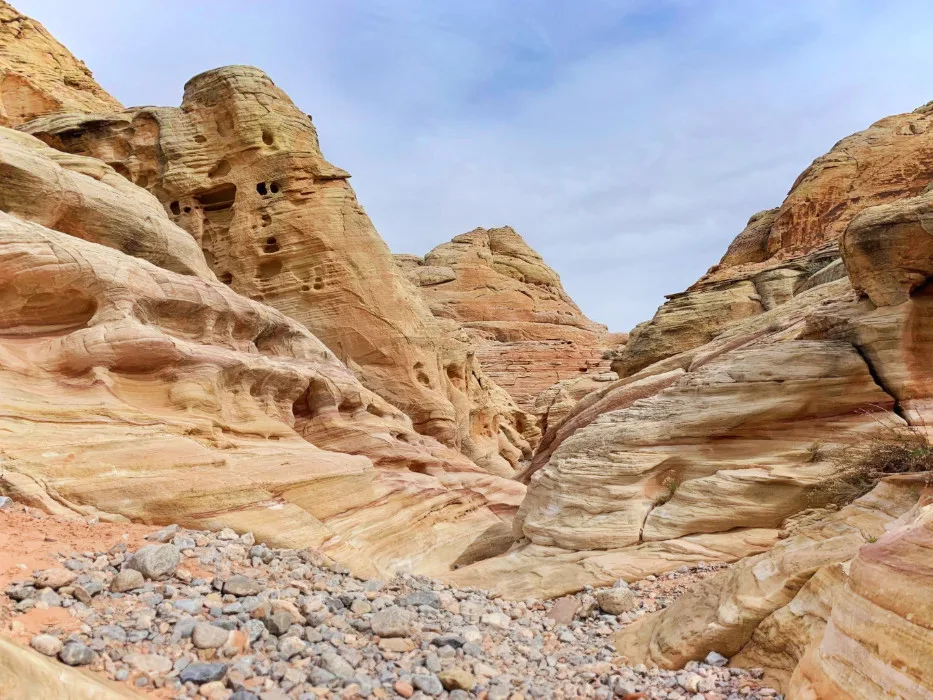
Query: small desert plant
{"points": [[670, 483], [816, 451], [871, 539], [895, 449]]}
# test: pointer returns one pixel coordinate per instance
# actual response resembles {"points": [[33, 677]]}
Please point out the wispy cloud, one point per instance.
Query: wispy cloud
{"points": [[628, 141]]}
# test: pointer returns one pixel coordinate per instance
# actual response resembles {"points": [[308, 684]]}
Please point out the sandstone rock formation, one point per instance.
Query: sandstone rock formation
{"points": [[529, 333], [703, 436], [878, 640], [40, 76], [768, 610], [781, 248], [158, 394], [723, 429], [238, 166]]}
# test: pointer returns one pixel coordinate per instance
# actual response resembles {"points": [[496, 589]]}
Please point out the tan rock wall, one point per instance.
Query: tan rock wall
{"points": [[129, 390], [239, 167], [529, 333], [40, 76]]}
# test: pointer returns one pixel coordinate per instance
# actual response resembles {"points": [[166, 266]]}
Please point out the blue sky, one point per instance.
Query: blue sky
{"points": [[627, 141]]}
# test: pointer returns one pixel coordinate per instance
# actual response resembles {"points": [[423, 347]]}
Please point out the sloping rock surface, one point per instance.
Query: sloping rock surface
{"points": [[239, 167], [529, 333], [131, 390], [40, 76]]}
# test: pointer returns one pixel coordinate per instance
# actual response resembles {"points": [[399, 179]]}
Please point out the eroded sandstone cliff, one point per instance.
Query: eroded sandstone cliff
{"points": [[159, 394], [40, 76], [531, 338], [238, 166], [811, 334]]}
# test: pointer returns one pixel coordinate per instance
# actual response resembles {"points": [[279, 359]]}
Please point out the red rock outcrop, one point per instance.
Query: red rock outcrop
{"points": [[238, 166], [40, 76], [529, 333]]}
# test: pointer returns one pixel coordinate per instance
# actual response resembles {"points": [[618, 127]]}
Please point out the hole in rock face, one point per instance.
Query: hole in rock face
{"points": [[200, 138], [266, 219], [187, 210], [175, 207], [142, 180], [423, 378], [225, 277], [269, 269], [271, 246], [261, 188], [267, 137], [218, 198], [222, 168], [121, 170], [305, 288], [274, 188]]}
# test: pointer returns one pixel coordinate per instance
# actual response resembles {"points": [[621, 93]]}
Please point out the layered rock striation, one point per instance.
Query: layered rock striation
{"points": [[789, 249], [239, 167], [720, 434], [530, 335], [40, 76], [135, 385]]}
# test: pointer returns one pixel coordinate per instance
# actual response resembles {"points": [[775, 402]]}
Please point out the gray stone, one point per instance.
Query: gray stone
{"points": [[338, 666], [448, 640], [278, 622], [188, 605], [208, 636], [163, 535], [114, 632], [156, 561], [244, 695], [201, 673], [49, 597], [46, 644], [77, 654], [391, 622], [714, 658], [254, 629], [241, 586], [429, 598], [21, 592], [6, 503], [427, 683], [291, 646], [321, 677], [127, 580]]}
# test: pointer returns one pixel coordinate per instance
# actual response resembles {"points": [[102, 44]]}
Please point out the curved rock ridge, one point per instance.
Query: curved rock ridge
{"points": [[772, 610], [878, 639], [239, 167], [781, 249], [729, 434], [530, 335], [40, 76], [129, 390]]}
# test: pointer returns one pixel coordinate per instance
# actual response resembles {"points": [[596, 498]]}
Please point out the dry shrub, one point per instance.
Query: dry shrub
{"points": [[895, 449]]}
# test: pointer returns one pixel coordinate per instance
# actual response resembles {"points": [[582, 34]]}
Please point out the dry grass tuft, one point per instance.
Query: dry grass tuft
{"points": [[896, 449]]}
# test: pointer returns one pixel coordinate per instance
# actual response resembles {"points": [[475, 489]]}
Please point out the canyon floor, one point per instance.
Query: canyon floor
{"points": [[218, 615]]}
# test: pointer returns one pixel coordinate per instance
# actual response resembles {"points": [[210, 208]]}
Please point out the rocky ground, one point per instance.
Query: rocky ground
{"points": [[179, 613]]}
